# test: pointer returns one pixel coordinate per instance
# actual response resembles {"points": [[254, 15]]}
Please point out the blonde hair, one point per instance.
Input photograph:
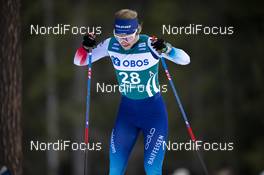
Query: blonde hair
{"points": [[128, 14]]}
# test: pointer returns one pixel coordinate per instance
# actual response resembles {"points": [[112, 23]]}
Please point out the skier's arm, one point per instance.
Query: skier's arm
{"points": [[160, 48], [100, 51], [177, 56]]}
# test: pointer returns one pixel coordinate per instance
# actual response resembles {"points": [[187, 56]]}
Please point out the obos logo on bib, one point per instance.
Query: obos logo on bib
{"points": [[130, 62]]}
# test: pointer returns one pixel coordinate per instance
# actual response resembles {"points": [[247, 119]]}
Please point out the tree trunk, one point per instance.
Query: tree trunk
{"points": [[10, 87], [51, 92]]}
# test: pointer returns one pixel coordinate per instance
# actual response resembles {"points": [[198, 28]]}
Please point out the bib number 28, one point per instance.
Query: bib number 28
{"points": [[130, 78]]}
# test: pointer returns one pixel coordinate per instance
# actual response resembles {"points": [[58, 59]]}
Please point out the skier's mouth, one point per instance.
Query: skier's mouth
{"points": [[124, 44]]}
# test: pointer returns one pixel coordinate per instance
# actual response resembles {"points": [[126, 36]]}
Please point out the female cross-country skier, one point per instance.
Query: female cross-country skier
{"points": [[135, 58]]}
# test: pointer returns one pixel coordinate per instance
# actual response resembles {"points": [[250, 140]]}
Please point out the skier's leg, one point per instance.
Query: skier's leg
{"points": [[155, 134], [154, 151], [123, 138]]}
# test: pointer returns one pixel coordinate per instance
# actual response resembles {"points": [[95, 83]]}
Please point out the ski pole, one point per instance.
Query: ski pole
{"points": [[188, 126], [89, 76], [86, 134]]}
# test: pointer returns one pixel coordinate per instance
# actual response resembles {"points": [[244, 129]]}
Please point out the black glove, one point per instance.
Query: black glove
{"points": [[159, 45], [89, 41]]}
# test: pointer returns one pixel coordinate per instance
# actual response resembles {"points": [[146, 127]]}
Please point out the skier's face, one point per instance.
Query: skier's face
{"points": [[126, 41]]}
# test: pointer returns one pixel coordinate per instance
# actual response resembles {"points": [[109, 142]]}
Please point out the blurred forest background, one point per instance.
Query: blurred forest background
{"points": [[222, 88]]}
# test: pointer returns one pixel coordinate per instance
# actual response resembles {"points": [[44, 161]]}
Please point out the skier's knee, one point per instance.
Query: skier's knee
{"points": [[152, 169]]}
